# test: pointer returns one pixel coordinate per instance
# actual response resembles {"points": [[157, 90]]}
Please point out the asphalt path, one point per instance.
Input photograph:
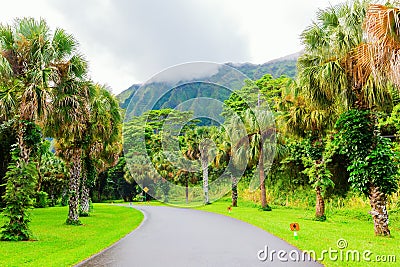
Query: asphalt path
{"points": [[180, 237]]}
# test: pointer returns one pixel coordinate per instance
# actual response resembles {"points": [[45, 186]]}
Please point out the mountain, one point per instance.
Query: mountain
{"points": [[277, 67], [125, 97]]}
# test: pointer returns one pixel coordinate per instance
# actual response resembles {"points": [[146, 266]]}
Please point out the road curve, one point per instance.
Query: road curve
{"points": [[184, 237]]}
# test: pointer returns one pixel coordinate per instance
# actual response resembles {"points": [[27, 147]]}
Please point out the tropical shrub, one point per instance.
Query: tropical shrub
{"points": [[21, 178]]}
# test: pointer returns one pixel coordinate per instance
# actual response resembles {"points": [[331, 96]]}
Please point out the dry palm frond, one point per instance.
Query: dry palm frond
{"points": [[382, 33], [382, 26]]}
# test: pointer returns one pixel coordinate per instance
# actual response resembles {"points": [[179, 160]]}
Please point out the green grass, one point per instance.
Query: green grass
{"points": [[59, 244], [353, 225]]}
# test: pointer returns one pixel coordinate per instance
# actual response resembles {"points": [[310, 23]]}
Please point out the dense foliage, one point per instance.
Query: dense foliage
{"points": [[332, 131], [372, 160], [45, 93], [20, 187]]}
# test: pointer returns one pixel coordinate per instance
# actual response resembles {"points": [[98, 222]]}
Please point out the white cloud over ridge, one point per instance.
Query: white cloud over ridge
{"points": [[130, 41]]}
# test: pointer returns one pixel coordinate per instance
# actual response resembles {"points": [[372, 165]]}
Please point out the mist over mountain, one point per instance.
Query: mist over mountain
{"points": [[281, 66], [277, 67]]}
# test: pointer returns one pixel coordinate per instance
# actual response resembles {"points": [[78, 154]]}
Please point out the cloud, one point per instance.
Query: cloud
{"points": [[186, 73], [141, 38], [128, 42]]}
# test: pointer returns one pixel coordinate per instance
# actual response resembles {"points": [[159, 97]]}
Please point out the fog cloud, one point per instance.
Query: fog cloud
{"points": [[141, 38]]}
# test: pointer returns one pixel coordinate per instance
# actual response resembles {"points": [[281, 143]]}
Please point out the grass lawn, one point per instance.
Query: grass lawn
{"points": [[355, 226], [63, 245]]}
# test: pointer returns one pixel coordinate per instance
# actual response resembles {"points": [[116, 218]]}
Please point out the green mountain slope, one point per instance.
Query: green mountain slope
{"points": [[282, 66]]}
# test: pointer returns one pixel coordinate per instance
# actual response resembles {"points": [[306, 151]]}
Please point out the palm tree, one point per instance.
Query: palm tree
{"points": [[235, 162], [204, 147], [303, 120], [102, 143], [334, 68], [225, 157], [164, 162], [32, 60], [68, 124], [200, 145], [381, 49], [334, 65], [258, 145], [186, 172], [34, 65], [379, 57]]}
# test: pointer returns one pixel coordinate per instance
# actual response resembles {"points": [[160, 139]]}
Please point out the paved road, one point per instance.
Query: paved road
{"points": [[183, 237]]}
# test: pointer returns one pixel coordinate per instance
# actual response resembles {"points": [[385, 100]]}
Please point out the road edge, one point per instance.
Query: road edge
{"points": [[145, 217]]}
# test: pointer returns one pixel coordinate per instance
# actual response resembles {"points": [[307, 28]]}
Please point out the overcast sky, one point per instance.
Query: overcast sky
{"points": [[129, 41]]}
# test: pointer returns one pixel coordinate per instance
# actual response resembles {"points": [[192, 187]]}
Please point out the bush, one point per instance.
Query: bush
{"points": [[320, 219], [139, 198], [21, 177], [267, 208], [42, 200], [64, 199]]}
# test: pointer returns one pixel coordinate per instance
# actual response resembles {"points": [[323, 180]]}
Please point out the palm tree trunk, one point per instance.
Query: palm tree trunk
{"points": [[40, 176], [24, 150], [98, 190], [40, 180], [264, 203], [84, 200], [379, 212], [234, 191], [187, 190], [204, 164], [75, 172], [319, 205]]}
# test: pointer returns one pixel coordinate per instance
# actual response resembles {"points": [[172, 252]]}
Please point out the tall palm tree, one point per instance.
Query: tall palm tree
{"points": [[102, 142], [35, 65], [327, 86], [334, 68], [187, 171], [225, 157], [302, 119], [235, 159], [31, 59], [199, 145], [182, 176], [258, 145], [382, 45], [68, 124], [379, 57]]}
